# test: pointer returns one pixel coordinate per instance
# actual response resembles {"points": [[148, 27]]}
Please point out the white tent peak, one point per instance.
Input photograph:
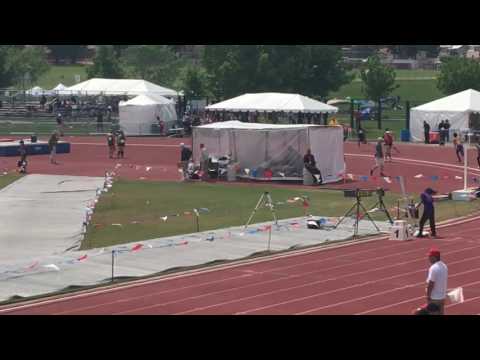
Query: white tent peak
{"points": [[129, 87], [150, 99], [273, 102], [468, 100]]}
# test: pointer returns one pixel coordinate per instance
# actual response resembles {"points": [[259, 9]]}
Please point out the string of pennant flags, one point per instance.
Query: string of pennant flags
{"points": [[389, 179]]}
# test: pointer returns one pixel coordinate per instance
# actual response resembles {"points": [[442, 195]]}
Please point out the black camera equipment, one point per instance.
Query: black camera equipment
{"points": [[358, 194]]}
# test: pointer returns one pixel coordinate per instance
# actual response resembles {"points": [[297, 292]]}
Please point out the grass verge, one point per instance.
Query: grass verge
{"points": [[140, 206]]}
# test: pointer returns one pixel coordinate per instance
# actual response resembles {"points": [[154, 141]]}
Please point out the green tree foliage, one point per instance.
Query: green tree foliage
{"points": [[312, 70], [5, 73], [156, 63], [458, 74], [105, 64], [70, 52], [16, 62], [31, 61], [378, 81], [194, 82]]}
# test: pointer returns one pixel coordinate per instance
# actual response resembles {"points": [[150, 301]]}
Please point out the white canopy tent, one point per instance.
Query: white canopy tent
{"points": [[273, 102], [457, 108], [60, 89], [279, 148], [113, 87], [37, 91], [139, 114]]}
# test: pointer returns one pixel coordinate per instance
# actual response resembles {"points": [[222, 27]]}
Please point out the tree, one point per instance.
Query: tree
{"points": [[31, 61], [378, 82], [155, 63], [105, 64], [458, 74], [71, 52], [194, 82], [5, 71], [313, 70]]}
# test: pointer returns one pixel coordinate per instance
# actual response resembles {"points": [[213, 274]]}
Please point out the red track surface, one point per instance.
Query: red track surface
{"points": [[378, 277]]}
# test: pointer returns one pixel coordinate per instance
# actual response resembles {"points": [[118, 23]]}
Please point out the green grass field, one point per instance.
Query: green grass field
{"points": [[6, 180], [147, 202], [64, 74], [42, 127]]}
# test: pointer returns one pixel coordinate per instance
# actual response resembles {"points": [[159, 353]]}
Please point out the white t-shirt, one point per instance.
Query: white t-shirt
{"points": [[438, 274]]}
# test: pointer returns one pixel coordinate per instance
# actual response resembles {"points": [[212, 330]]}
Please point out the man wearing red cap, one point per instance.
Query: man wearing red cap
{"points": [[437, 280]]}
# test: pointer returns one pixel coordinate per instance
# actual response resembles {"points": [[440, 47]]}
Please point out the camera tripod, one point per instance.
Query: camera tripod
{"points": [[265, 200], [355, 209], [380, 205]]}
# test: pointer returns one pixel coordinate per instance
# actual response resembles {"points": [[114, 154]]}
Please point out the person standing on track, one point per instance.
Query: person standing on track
{"points": [[426, 132], [379, 159], [52, 145], [121, 142], [437, 281], [428, 212], [111, 145], [457, 143], [361, 136], [388, 140]]}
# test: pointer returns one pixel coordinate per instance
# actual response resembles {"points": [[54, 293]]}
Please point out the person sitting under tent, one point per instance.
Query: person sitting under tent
{"points": [[311, 166]]}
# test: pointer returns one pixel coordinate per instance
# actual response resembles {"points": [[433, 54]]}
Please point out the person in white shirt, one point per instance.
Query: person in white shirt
{"points": [[437, 281]]}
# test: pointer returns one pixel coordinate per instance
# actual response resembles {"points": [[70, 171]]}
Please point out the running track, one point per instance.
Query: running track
{"points": [[375, 278], [372, 278]]}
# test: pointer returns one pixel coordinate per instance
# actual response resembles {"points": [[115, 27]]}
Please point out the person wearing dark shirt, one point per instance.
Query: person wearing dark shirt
{"points": [[99, 120], [185, 156], [111, 145], [428, 212], [311, 166], [22, 163], [121, 141], [361, 136], [426, 131], [52, 145], [446, 126], [441, 130]]}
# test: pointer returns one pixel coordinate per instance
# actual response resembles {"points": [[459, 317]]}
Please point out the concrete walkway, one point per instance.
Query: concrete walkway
{"points": [[53, 273], [42, 215]]}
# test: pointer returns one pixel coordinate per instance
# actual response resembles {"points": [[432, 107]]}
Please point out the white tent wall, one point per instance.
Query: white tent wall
{"points": [[326, 144], [459, 121], [280, 150], [138, 120]]}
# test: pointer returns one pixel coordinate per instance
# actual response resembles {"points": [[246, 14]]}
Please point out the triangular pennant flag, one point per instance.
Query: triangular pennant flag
{"points": [[52, 266], [456, 296], [165, 218], [148, 168], [84, 257], [196, 212], [247, 171], [458, 178], [419, 176], [137, 247], [281, 174], [387, 179]]}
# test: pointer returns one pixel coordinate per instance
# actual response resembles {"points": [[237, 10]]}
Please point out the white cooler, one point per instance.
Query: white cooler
{"points": [[401, 231]]}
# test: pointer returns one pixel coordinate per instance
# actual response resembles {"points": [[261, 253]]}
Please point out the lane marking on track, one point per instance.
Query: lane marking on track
{"points": [[130, 145], [310, 296], [416, 299], [139, 283], [382, 292], [272, 272], [424, 162]]}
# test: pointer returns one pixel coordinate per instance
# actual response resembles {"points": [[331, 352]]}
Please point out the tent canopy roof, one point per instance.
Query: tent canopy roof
{"points": [[274, 102], [120, 87], [59, 87], [238, 125], [143, 100], [468, 100]]}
